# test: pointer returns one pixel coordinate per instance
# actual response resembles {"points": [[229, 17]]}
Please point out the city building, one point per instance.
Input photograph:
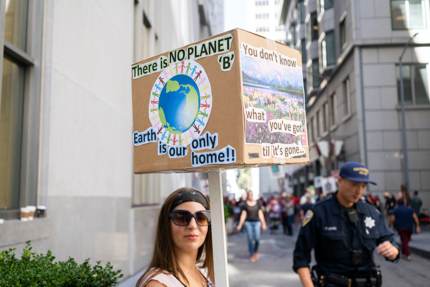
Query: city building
{"points": [[66, 123], [267, 13], [258, 16], [351, 63]]}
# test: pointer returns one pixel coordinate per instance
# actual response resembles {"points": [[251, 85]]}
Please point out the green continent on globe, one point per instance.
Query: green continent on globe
{"points": [[172, 86], [162, 116]]}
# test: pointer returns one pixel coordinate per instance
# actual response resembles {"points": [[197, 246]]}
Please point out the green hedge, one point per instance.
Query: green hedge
{"points": [[34, 269]]}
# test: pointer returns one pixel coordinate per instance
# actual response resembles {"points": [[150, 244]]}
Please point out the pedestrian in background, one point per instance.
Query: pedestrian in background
{"points": [[403, 219], [274, 212], [307, 205], [343, 231], [288, 215], [416, 203], [253, 218], [404, 194], [183, 238], [389, 205]]}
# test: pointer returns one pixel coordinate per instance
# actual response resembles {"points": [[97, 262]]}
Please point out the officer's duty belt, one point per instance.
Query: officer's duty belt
{"points": [[339, 280]]}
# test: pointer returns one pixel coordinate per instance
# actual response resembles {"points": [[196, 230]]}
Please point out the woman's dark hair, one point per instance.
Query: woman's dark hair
{"points": [[164, 257], [405, 194]]}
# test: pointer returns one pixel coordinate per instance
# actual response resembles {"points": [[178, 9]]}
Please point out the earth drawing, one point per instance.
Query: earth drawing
{"points": [[179, 104]]}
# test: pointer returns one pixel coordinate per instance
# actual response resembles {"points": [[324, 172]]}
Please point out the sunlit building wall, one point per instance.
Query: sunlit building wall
{"points": [[75, 147]]}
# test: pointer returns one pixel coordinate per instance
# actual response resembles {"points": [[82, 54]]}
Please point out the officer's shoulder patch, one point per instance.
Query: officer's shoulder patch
{"points": [[308, 216]]}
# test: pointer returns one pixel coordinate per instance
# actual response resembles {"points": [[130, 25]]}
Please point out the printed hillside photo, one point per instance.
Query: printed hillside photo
{"points": [[272, 92]]}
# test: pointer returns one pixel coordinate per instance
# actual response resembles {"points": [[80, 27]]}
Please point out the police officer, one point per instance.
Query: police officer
{"points": [[343, 231]]}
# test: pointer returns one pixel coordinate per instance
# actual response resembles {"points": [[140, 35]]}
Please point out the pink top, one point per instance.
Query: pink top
{"points": [[168, 279]]}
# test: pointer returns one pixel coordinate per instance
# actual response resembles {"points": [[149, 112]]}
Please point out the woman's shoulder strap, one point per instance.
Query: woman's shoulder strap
{"points": [[164, 278]]}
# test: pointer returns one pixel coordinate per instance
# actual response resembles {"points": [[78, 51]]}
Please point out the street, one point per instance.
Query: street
{"points": [[274, 266]]}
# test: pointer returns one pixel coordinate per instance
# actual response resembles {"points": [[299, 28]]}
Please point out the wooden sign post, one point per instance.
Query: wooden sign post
{"points": [[219, 242]]}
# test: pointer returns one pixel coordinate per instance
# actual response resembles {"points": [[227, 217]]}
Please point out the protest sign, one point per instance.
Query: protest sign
{"points": [[232, 100]]}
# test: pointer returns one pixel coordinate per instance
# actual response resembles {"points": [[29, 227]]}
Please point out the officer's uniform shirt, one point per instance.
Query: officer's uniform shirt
{"points": [[328, 230]]}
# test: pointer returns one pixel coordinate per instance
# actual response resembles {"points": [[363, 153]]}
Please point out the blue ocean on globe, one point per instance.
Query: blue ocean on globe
{"points": [[179, 103]]}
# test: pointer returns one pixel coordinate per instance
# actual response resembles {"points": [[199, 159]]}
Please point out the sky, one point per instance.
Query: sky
{"points": [[239, 14]]}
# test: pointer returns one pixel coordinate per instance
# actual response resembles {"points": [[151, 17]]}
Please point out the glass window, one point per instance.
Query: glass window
{"points": [[324, 5], [11, 99], [318, 122], [333, 110], [328, 4], [407, 14], [346, 97], [325, 117], [301, 10], [16, 22], [20, 76], [293, 34], [303, 48], [342, 34], [314, 27], [315, 74], [327, 50], [311, 130], [416, 14], [415, 84], [421, 90], [305, 88]]}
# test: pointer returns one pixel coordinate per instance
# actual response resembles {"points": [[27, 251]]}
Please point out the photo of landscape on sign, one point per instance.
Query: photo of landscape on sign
{"points": [[274, 102]]}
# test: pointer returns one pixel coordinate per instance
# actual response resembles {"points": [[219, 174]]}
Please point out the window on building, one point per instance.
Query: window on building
{"points": [[293, 34], [321, 122], [327, 50], [342, 34], [312, 130], [324, 5], [305, 88], [346, 97], [304, 52], [333, 110], [415, 84], [262, 3], [408, 14], [262, 29], [315, 74], [302, 11], [318, 123], [19, 102], [262, 16], [312, 28], [324, 116]]}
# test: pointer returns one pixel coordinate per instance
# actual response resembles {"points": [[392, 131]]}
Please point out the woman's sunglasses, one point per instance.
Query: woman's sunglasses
{"points": [[183, 217]]}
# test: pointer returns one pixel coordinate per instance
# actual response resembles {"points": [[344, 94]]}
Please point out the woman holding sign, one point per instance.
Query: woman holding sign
{"points": [[183, 244]]}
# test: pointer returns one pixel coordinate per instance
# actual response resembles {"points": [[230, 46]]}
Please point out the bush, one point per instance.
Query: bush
{"points": [[34, 269]]}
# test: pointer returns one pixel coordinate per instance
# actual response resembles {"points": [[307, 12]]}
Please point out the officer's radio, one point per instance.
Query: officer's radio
{"points": [[352, 215]]}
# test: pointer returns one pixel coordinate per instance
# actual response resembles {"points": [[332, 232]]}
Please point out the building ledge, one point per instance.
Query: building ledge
{"points": [[411, 107], [14, 232]]}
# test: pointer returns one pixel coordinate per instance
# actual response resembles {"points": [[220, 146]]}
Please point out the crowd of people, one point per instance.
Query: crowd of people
{"points": [[277, 213], [281, 212]]}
